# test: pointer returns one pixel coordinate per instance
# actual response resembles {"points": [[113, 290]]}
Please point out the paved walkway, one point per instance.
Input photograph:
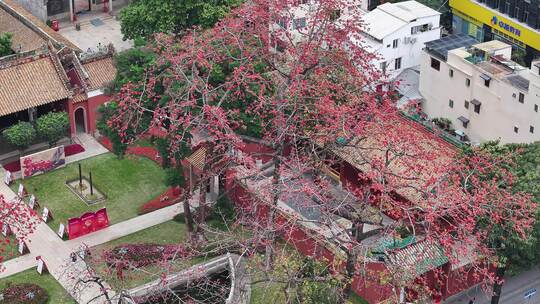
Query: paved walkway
{"points": [[95, 28], [56, 253], [91, 148]]}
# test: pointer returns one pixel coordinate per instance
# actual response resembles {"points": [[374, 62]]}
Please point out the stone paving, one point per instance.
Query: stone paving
{"points": [[89, 36], [56, 253]]}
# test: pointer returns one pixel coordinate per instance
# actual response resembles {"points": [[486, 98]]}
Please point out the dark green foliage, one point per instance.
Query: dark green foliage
{"points": [[21, 135], [132, 64], [443, 123], [223, 213], [108, 111], [162, 145], [143, 18], [52, 126], [5, 44], [174, 177], [521, 255]]}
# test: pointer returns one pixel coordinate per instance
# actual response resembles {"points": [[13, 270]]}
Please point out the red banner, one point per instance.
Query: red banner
{"points": [[87, 223]]}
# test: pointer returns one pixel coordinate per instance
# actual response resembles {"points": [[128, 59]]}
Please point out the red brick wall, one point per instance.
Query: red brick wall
{"points": [[93, 105], [366, 285], [90, 111]]}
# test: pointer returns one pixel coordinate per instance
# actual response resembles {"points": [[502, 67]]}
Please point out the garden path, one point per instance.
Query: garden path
{"points": [[55, 252]]}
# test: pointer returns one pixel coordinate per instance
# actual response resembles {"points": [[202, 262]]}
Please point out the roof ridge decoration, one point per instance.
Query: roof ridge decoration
{"points": [[102, 53], [59, 68], [24, 57]]}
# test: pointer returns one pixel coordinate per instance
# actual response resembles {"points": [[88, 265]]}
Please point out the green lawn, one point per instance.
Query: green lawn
{"points": [[128, 183], [57, 294], [170, 232], [9, 249]]}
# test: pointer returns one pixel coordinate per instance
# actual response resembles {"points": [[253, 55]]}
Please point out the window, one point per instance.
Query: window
{"points": [[486, 78], [477, 109], [476, 103], [395, 43], [468, 82], [516, 12], [531, 129], [536, 108], [451, 103], [383, 67], [420, 28], [466, 104], [299, 23], [464, 121], [299, 2], [436, 64], [521, 97], [397, 63], [516, 129], [525, 16], [451, 73], [507, 8]]}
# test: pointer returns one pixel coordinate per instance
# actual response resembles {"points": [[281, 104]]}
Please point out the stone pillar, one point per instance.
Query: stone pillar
{"points": [[214, 187], [71, 11], [110, 7]]}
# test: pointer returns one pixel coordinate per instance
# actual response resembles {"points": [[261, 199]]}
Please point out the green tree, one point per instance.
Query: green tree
{"points": [[5, 44], [107, 111], [131, 65], [514, 253], [52, 126], [21, 135], [143, 18]]}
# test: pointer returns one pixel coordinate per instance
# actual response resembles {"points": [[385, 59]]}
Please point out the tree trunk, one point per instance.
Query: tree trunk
{"points": [[270, 233], [205, 179], [497, 288], [188, 218], [350, 270], [201, 211]]}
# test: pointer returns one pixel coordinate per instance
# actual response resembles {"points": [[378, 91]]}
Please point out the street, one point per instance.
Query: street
{"points": [[513, 292]]}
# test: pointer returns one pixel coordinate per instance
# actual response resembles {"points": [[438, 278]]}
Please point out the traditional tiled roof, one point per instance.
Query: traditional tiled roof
{"points": [[79, 97], [31, 81], [100, 72], [24, 38], [414, 154], [28, 31], [417, 259]]}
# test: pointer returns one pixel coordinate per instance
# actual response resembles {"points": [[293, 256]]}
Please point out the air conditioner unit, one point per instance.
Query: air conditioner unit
{"points": [[413, 40]]}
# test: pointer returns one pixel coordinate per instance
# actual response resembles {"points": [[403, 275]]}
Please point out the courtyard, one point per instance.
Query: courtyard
{"points": [[127, 184], [95, 28]]}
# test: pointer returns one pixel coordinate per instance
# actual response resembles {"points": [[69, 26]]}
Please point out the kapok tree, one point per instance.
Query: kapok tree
{"points": [[307, 91]]}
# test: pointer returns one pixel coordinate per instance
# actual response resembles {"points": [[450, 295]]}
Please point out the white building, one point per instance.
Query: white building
{"points": [[485, 95], [398, 33]]}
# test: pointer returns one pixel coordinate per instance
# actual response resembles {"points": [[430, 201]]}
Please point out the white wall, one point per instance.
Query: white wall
{"points": [[500, 110], [408, 52]]}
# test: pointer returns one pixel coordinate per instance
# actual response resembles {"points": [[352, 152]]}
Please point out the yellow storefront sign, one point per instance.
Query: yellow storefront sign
{"points": [[499, 22]]}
